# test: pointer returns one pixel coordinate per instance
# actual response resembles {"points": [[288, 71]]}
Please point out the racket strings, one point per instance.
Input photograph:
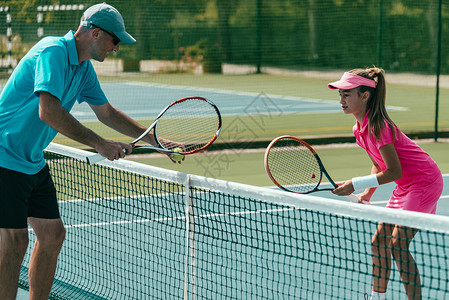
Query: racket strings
{"points": [[294, 166], [193, 123]]}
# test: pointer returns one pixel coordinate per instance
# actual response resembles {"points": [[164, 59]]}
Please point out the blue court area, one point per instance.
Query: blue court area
{"points": [[144, 100]]}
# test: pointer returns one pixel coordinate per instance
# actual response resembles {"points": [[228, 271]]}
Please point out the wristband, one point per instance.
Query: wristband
{"points": [[361, 183]]}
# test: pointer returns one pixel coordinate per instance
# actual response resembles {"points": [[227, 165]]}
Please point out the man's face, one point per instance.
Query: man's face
{"points": [[105, 43]]}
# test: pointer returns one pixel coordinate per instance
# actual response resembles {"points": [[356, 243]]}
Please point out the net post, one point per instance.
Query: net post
{"points": [[438, 66], [190, 262], [379, 32], [259, 36]]}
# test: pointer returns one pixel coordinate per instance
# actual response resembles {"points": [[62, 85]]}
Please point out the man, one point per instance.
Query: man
{"points": [[34, 107]]}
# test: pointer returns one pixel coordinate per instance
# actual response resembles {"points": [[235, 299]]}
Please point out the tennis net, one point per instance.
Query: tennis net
{"points": [[141, 232]]}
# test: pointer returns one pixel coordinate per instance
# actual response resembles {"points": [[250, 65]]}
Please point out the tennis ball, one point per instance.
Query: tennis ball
{"points": [[177, 157]]}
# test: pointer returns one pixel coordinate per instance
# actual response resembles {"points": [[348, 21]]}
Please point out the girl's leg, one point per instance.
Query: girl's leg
{"points": [[400, 242], [381, 257]]}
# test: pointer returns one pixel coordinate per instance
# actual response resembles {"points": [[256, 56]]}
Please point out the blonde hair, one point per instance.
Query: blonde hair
{"points": [[376, 103]]}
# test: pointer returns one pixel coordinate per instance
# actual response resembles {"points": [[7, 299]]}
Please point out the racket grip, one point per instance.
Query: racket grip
{"points": [[93, 159], [354, 199]]}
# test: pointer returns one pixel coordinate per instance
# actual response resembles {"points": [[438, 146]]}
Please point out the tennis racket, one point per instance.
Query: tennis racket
{"points": [[294, 166], [191, 123]]}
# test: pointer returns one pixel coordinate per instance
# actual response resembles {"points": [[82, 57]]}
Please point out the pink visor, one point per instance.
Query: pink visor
{"points": [[349, 81]]}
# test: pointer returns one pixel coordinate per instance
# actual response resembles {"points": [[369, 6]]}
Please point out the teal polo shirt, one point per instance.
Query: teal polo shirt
{"points": [[50, 66]]}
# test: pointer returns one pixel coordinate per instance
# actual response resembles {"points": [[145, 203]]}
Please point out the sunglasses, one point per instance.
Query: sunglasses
{"points": [[115, 39]]}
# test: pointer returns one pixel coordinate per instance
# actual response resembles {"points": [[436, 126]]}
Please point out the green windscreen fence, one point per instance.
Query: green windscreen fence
{"points": [[399, 35], [215, 49]]}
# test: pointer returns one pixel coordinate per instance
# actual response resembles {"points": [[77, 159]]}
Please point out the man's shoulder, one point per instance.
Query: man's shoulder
{"points": [[54, 43], [54, 46]]}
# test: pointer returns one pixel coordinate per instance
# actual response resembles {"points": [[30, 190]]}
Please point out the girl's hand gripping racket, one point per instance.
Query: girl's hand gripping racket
{"points": [[191, 123], [294, 166]]}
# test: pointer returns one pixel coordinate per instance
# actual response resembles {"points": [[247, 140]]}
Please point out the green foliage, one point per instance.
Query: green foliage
{"points": [[204, 54], [192, 57]]}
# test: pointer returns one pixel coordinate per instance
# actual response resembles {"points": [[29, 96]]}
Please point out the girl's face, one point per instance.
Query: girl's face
{"points": [[352, 102]]}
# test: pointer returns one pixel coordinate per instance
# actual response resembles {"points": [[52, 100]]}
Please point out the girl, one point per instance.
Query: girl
{"points": [[395, 158]]}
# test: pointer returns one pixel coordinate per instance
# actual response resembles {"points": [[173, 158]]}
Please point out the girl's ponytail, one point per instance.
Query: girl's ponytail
{"points": [[376, 103]]}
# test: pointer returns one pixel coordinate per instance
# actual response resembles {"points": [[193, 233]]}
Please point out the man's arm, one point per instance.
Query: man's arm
{"points": [[117, 120], [56, 116]]}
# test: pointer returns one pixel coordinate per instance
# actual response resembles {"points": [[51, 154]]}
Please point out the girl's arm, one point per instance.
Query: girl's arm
{"points": [[393, 169], [392, 172], [366, 194]]}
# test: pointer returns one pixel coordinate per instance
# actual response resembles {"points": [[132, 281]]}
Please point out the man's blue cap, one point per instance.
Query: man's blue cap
{"points": [[108, 18]]}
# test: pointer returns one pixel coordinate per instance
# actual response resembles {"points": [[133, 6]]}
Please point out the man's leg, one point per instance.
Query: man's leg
{"points": [[13, 245], [50, 234]]}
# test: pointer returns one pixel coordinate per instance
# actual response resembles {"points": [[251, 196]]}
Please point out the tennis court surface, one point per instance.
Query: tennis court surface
{"points": [[140, 232]]}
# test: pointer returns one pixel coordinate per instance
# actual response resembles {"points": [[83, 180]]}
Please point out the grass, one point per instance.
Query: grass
{"points": [[247, 166]]}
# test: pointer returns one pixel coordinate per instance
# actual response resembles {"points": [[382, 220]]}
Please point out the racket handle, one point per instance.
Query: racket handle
{"points": [[93, 159], [354, 199]]}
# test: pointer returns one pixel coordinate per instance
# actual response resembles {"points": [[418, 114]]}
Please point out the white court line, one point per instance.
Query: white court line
{"points": [[100, 224], [226, 92], [248, 94]]}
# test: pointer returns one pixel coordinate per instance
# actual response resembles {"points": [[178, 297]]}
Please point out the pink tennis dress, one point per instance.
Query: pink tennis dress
{"points": [[421, 184]]}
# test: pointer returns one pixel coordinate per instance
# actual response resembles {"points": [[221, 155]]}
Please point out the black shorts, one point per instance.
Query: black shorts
{"points": [[23, 196]]}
